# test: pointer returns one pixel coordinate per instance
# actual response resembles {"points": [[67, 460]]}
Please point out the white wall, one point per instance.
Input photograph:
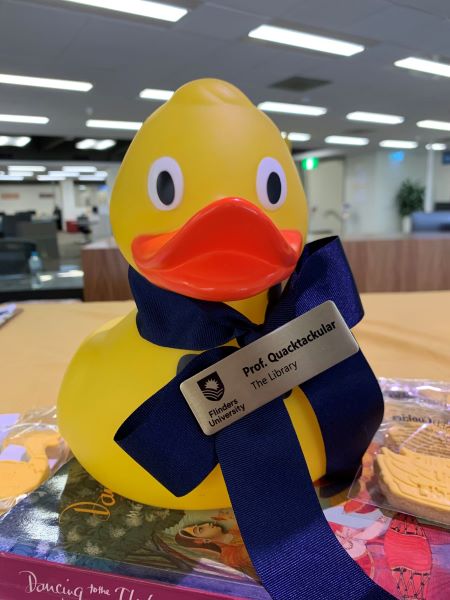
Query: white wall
{"points": [[29, 198], [441, 180], [370, 181], [324, 188], [371, 184]]}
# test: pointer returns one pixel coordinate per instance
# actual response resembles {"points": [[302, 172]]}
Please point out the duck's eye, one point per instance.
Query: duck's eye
{"points": [[271, 183], [165, 183]]}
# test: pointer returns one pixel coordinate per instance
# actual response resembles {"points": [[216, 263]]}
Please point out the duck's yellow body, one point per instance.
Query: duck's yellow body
{"points": [[113, 372], [208, 203]]}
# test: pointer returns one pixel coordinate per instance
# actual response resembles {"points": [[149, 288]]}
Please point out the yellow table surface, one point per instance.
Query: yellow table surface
{"points": [[404, 335]]}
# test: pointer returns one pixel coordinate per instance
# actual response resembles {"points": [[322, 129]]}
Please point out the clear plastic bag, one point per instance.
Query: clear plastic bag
{"points": [[31, 449], [407, 466]]}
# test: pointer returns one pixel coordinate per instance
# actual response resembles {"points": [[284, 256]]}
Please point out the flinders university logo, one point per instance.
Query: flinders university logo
{"points": [[212, 387]]}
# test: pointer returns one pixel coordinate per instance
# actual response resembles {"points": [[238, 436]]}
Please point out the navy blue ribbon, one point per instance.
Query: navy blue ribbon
{"points": [[293, 549]]}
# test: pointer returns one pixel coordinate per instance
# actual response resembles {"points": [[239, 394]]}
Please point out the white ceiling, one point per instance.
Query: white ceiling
{"points": [[121, 56]]}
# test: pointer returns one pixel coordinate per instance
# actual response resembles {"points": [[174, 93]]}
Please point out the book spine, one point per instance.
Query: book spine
{"points": [[23, 578]]}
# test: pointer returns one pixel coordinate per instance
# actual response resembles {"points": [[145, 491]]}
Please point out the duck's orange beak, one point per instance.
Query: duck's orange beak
{"points": [[229, 250]]}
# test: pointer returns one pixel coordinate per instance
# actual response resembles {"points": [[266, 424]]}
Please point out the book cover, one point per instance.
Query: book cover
{"points": [[71, 521]]}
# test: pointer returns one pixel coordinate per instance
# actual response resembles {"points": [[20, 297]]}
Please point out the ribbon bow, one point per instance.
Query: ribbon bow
{"points": [[298, 556]]}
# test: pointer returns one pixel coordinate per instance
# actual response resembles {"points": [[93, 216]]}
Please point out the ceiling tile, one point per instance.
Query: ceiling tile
{"points": [[268, 8], [433, 7], [35, 30], [404, 27], [331, 15], [219, 22]]}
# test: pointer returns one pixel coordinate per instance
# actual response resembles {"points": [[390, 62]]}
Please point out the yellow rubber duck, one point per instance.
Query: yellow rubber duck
{"points": [[207, 203]]}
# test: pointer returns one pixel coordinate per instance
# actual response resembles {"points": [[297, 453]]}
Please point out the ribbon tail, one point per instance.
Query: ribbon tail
{"points": [[293, 549], [348, 403], [164, 422]]}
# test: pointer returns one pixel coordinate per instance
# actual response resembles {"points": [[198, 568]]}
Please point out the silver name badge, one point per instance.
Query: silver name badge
{"points": [[272, 365]]}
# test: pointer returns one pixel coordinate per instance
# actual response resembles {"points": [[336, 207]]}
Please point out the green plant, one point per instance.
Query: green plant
{"points": [[410, 197]]}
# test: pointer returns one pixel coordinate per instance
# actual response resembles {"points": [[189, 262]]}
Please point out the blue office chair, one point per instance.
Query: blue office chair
{"points": [[431, 222]]}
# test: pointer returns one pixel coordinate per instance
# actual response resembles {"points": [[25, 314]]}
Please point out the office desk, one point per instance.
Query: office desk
{"points": [[48, 285], [404, 335]]}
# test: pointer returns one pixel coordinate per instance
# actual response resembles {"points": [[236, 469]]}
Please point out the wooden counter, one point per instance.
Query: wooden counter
{"points": [[105, 272], [418, 262], [410, 263]]}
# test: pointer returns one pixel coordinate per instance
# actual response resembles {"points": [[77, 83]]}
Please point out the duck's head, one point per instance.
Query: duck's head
{"points": [[208, 202]]}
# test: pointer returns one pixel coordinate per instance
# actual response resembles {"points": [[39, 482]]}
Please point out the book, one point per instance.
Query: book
{"points": [[71, 521], [72, 539]]}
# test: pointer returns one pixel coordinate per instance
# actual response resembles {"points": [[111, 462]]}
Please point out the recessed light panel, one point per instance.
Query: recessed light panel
{"points": [[24, 119], [302, 39], [43, 82], [62, 174], [425, 66], [154, 94], [294, 136], [79, 169], [292, 109], [430, 124], [22, 173], [18, 141], [436, 147], [347, 140], [370, 117], [104, 144], [140, 8], [34, 168], [105, 124], [90, 144], [402, 144]]}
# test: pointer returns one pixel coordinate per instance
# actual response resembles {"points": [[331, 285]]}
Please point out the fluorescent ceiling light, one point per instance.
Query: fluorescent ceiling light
{"points": [[19, 142], [34, 168], [91, 178], [425, 66], [24, 119], [87, 144], [50, 178], [103, 124], [292, 109], [430, 124], [403, 144], [11, 178], [21, 173], [104, 144], [371, 117], [436, 147], [153, 94], [347, 140], [301, 39], [90, 144], [79, 169], [62, 174], [140, 8], [43, 82], [293, 136]]}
